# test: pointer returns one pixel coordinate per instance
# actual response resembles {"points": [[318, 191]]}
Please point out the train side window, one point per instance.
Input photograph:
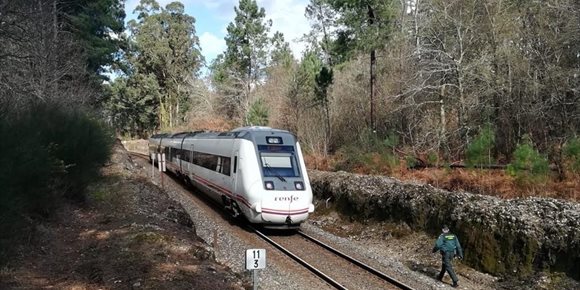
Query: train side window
{"points": [[219, 165], [235, 164], [226, 165]]}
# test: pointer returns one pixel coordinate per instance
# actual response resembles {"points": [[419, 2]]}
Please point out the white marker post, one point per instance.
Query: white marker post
{"points": [[161, 165], [153, 166], [255, 259]]}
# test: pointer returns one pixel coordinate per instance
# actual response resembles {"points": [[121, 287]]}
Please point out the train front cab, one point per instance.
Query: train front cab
{"points": [[279, 190]]}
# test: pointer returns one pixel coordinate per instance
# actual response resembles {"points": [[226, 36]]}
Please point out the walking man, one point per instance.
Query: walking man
{"points": [[448, 245]]}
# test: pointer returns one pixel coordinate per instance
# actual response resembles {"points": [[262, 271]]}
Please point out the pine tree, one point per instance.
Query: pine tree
{"points": [[94, 22], [281, 55], [243, 65], [362, 26]]}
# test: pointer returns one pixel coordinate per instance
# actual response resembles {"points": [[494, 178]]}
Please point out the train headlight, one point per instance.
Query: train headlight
{"points": [[269, 185], [299, 185], [274, 140]]}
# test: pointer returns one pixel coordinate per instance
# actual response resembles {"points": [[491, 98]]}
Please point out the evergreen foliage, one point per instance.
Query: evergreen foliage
{"points": [[163, 59], [247, 42], [391, 140], [93, 22], [258, 114], [479, 151], [362, 26], [249, 53], [280, 55], [323, 80], [51, 55], [527, 163], [134, 103], [572, 153], [53, 154], [372, 151]]}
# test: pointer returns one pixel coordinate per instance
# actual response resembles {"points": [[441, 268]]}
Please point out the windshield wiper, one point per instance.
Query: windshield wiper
{"points": [[274, 172]]}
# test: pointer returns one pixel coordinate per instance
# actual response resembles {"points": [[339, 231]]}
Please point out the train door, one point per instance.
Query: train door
{"points": [[178, 160], [190, 160], [235, 172]]}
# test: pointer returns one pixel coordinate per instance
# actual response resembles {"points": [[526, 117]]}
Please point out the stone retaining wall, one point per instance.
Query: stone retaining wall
{"points": [[501, 237]]}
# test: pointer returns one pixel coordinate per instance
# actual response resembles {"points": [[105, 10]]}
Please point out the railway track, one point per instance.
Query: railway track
{"points": [[338, 272], [341, 271], [138, 154]]}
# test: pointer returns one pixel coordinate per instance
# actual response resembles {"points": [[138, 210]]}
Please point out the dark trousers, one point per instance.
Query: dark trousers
{"points": [[446, 265]]}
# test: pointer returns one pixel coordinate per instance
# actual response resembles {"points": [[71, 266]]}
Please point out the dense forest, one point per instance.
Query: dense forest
{"points": [[54, 140], [381, 85], [491, 83]]}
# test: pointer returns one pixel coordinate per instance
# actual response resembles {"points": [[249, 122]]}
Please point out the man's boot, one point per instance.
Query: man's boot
{"points": [[455, 285]]}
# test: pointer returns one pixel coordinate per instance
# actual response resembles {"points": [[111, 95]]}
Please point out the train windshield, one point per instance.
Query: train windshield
{"points": [[279, 165]]}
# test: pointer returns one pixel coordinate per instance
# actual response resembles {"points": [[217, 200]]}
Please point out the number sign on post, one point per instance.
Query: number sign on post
{"points": [[255, 259]]}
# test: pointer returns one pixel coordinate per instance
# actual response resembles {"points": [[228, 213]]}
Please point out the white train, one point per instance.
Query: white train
{"points": [[257, 172]]}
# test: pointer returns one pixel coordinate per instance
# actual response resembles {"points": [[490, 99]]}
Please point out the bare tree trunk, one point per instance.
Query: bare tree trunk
{"points": [[371, 15], [416, 22], [325, 38], [53, 52], [443, 131], [41, 91], [247, 97]]}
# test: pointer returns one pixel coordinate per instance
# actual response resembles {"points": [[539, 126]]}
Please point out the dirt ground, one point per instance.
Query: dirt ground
{"points": [[414, 249], [128, 235]]}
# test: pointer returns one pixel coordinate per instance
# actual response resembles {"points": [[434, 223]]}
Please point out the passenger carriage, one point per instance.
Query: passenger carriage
{"points": [[258, 172]]}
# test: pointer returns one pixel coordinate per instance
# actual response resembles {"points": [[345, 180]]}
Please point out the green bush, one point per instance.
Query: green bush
{"points": [[572, 154], [432, 158], [363, 151], [47, 154], [258, 114], [478, 152], [527, 163], [80, 145], [411, 161]]}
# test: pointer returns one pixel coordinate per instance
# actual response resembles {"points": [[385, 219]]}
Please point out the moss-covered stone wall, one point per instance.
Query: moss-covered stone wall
{"points": [[501, 237]]}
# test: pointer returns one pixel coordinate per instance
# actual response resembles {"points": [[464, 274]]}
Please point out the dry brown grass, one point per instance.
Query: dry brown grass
{"points": [[488, 182], [319, 161], [493, 182]]}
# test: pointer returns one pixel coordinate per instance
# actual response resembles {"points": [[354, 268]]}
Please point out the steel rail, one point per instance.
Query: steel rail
{"points": [[299, 260], [357, 262], [317, 272]]}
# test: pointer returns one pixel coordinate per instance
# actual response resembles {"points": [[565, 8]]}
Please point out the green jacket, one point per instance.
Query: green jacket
{"points": [[448, 243]]}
